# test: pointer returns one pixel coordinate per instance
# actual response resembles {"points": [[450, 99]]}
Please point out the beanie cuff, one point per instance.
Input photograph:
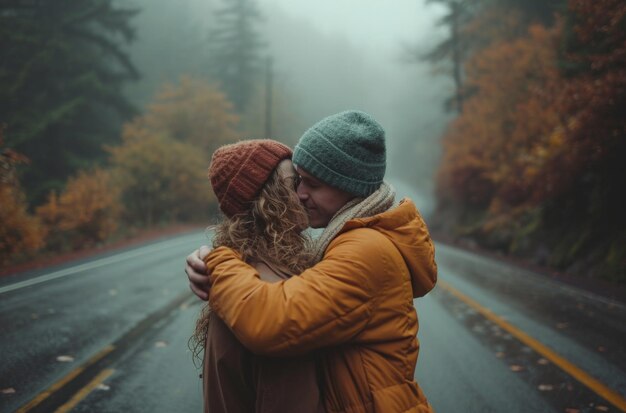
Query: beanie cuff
{"points": [[304, 159]]}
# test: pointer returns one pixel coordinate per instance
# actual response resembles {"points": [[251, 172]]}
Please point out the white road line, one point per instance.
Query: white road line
{"points": [[150, 249]]}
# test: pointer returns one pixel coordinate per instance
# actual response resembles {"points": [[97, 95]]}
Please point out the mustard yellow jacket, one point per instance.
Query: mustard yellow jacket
{"points": [[356, 305]]}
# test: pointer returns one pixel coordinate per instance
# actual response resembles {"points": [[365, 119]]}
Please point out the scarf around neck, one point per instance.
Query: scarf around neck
{"points": [[379, 201]]}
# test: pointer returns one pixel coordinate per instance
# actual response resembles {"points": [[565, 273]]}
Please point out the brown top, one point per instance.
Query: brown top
{"points": [[237, 381]]}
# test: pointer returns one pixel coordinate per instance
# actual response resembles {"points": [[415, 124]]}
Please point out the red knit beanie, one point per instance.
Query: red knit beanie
{"points": [[238, 171]]}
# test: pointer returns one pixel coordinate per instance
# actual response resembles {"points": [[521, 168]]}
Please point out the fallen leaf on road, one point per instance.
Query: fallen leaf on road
{"points": [[499, 354], [160, 344], [34, 316], [113, 292], [65, 359], [569, 410], [543, 361], [545, 387], [103, 387], [516, 367], [561, 326], [602, 408], [601, 349], [8, 390]]}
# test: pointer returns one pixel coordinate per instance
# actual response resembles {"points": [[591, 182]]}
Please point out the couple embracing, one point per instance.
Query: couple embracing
{"points": [[301, 325]]}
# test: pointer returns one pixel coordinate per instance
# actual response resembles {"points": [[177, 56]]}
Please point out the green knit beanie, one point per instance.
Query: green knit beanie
{"points": [[345, 150]]}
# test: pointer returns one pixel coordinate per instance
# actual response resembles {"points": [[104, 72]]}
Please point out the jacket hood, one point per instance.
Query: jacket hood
{"points": [[404, 227]]}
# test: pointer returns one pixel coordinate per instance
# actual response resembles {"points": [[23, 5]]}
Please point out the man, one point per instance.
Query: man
{"points": [[355, 305]]}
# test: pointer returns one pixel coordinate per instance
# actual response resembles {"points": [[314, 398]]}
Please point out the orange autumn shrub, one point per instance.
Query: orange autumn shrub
{"points": [[160, 167], [85, 213], [191, 111], [20, 233], [161, 180]]}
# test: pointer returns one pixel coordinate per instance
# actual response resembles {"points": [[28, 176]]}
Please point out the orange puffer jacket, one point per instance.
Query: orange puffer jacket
{"points": [[356, 304]]}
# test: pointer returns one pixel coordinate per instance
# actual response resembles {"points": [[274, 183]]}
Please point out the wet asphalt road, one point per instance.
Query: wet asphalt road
{"points": [[111, 336], [80, 314]]}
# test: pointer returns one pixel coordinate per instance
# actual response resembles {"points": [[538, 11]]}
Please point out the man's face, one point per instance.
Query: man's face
{"points": [[321, 200]]}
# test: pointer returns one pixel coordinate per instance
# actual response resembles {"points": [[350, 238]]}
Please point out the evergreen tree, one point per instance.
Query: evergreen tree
{"points": [[473, 25], [452, 47], [62, 68], [234, 49]]}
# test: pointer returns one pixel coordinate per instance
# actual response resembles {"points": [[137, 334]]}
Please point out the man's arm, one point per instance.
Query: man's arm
{"points": [[326, 305], [197, 272]]}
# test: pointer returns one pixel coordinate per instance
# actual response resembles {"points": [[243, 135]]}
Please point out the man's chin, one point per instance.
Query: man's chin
{"points": [[317, 223]]}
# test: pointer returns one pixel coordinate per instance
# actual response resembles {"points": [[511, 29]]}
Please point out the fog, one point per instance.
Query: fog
{"points": [[328, 56]]}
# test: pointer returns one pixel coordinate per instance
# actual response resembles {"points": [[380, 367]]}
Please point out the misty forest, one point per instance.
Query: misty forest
{"points": [[507, 116], [500, 288]]}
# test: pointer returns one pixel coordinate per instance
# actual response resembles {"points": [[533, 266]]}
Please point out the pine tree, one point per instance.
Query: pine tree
{"points": [[474, 25], [62, 68], [451, 51], [235, 49]]}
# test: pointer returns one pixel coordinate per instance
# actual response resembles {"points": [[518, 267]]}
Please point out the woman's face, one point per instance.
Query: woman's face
{"points": [[288, 175]]}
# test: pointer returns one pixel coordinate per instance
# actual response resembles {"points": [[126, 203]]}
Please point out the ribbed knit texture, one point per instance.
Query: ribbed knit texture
{"points": [[238, 171], [376, 203], [345, 150]]}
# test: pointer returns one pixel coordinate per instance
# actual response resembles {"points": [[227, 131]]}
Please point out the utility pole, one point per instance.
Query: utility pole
{"points": [[268, 98]]}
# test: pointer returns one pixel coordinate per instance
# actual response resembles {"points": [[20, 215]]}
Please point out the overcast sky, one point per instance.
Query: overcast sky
{"points": [[381, 24]]}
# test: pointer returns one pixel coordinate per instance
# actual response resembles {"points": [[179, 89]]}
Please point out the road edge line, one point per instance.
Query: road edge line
{"points": [[100, 262], [568, 367]]}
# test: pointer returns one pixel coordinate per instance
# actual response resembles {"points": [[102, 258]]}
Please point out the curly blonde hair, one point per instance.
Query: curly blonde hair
{"points": [[271, 230]]}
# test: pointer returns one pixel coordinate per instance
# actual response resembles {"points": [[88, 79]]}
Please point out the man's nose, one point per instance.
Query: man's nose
{"points": [[302, 193]]}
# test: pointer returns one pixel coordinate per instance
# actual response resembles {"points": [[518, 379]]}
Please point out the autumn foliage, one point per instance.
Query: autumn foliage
{"points": [[20, 232], [160, 167], [157, 175], [191, 111], [162, 180], [533, 164], [86, 212]]}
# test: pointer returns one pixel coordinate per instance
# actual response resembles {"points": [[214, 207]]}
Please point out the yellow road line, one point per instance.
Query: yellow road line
{"points": [[69, 377], [82, 393], [596, 386]]}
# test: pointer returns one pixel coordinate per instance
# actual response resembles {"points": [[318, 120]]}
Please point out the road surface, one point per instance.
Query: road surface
{"points": [[110, 333]]}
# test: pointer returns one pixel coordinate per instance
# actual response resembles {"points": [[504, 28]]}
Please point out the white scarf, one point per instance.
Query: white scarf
{"points": [[380, 201]]}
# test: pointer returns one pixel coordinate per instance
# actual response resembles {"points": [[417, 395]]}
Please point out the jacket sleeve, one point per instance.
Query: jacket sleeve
{"points": [[326, 305]]}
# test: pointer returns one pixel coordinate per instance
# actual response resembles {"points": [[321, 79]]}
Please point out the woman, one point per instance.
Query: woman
{"points": [[254, 182]]}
